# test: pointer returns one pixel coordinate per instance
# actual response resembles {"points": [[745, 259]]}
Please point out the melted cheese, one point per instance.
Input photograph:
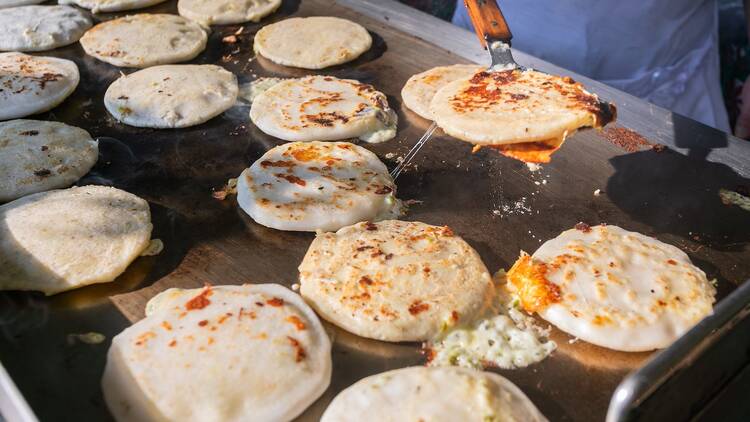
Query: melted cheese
{"points": [[250, 91], [614, 288], [529, 280], [508, 340]]}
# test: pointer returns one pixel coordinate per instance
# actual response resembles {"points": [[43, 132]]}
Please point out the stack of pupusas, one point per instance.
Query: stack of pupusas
{"points": [[524, 114]]}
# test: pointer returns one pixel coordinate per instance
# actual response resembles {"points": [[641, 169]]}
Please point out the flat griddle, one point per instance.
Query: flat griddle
{"points": [[497, 204]]}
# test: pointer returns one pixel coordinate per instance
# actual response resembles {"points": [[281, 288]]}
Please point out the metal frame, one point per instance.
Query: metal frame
{"points": [[689, 377], [13, 407]]}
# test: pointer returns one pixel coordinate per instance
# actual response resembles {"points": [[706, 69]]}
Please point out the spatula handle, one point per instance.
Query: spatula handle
{"points": [[489, 22]]}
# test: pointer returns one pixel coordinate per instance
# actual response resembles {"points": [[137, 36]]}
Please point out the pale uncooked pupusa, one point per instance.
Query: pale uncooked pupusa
{"points": [[421, 88], [309, 186], [99, 6], [40, 28], [613, 288], [312, 43], [145, 40], [324, 108], [395, 280], [36, 156], [34, 84], [432, 394], [171, 96], [64, 239], [226, 12], [223, 354]]}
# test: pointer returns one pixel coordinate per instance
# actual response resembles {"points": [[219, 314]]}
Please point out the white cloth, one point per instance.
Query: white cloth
{"points": [[664, 51]]}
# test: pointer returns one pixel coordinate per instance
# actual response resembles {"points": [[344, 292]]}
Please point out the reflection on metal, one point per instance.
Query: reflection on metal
{"points": [[679, 382], [13, 407]]}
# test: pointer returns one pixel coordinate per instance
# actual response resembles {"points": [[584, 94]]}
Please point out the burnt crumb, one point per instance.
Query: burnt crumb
{"points": [[629, 140], [44, 148], [370, 226], [362, 248], [42, 173], [30, 133], [238, 130], [519, 96], [388, 256], [123, 97], [583, 227], [383, 190], [365, 280], [659, 147]]}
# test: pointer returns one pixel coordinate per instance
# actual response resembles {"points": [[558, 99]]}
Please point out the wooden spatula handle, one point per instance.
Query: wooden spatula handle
{"points": [[488, 20]]}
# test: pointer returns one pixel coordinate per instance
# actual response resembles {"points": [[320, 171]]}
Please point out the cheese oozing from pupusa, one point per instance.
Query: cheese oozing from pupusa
{"points": [[223, 353], [324, 108], [508, 338], [524, 114], [613, 288], [309, 186]]}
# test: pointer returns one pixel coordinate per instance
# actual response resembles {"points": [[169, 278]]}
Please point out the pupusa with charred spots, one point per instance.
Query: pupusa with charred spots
{"points": [[395, 280], [324, 108], [309, 186], [525, 114], [219, 354], [613, 288], [34, 84]]}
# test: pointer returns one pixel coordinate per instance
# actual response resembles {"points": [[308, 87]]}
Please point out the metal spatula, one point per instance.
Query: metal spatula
{"points": [[494, 34]]}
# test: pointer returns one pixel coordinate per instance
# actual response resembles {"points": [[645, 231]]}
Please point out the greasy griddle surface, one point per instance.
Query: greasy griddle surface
{"points": [[495, 203]]}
